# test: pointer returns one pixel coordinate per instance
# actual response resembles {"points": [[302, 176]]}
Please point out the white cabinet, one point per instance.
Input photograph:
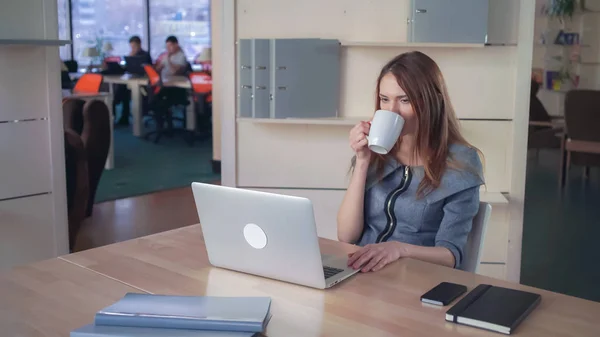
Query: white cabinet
{"points": [[293, 156], [26, 231], [27, 170], [503, 22], [463, 21], [283, 78], [492, 270], [33, 209], [321, 155], [348, 20], [28, 20]]}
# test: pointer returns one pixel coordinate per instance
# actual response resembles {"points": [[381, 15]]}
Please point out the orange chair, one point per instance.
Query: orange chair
{"points": [[201, 83], [153, 78], [88, 84]]}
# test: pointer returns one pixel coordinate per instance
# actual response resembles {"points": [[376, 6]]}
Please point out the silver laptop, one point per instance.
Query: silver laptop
{"points": [[265, 234]]}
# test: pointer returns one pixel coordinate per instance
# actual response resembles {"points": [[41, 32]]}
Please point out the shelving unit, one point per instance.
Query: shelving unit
{"points": [[579, 61], [34, 42], [302, 121], [409, 44], [306, 155]]}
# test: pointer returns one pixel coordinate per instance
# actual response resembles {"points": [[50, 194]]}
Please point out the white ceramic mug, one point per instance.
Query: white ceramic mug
{"points": [[386, 127]]}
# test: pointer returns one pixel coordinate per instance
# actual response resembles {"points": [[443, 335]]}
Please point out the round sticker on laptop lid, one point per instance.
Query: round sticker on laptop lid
{"points": [[255, 236]]}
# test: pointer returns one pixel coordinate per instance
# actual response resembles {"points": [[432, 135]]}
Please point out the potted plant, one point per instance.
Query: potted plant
{"points": [[563, 8]]}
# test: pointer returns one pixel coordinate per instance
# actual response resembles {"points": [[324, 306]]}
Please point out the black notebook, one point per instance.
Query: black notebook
{"points": [[493, 308]]}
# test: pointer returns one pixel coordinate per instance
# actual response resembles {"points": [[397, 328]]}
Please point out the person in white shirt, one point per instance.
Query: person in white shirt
{"points": [[175, 62]]}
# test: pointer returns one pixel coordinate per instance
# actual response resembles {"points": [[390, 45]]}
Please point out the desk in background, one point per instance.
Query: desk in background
{"points": [[135, 83], [385, 303]]}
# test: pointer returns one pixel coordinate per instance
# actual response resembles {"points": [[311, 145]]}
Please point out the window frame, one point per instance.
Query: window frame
{"points": [[147, 16]]}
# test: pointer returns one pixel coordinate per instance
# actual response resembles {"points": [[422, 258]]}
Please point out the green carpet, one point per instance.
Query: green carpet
{"points": [[561, 230], [144, 167]]}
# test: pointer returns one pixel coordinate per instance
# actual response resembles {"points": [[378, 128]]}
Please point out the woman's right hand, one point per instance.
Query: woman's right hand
{"points": [[359, 142]]}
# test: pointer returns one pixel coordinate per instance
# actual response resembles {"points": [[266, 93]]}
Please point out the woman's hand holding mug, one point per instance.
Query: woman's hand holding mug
{"points": [[359, 142]]}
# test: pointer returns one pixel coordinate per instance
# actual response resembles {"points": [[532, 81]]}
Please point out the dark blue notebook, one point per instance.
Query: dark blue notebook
{"points": [[249, 314], [494, 308]]}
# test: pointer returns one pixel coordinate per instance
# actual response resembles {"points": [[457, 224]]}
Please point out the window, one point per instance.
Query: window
{"points": [[188, 20], [63, 28], [97, 23]]}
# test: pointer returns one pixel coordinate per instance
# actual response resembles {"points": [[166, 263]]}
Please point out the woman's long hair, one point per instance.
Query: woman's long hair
{"points": [[437, 126]]}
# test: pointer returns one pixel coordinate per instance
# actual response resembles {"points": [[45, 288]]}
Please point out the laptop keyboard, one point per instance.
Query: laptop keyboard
{"points": [[330, 271]]}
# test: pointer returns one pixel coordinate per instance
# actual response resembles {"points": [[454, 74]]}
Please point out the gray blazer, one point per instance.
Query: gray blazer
{"points": [[441, 218]]}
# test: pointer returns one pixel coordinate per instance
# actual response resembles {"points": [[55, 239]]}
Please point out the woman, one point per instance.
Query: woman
{"points": [[420, 199]]}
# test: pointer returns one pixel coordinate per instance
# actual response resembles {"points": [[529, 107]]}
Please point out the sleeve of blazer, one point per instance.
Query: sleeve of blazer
{"points": [[459, 211]]}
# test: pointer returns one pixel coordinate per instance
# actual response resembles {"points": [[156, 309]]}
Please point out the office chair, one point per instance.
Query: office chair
{"points": [[88, 84], [474, 245], [96, 137], [72, 66], [65, 80], [202, 95], [161, 101], [543, 128], [582, 122], [76, 168]]}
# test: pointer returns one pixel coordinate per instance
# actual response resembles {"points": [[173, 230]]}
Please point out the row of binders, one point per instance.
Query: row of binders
{"points": [[180, 316]]}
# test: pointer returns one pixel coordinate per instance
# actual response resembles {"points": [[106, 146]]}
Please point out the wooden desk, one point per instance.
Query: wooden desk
{"points": [[53, 297], [385, 303]]}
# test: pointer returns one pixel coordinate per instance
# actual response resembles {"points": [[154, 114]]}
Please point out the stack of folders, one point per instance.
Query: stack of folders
{"points": [[494, 308], [137, 315]]}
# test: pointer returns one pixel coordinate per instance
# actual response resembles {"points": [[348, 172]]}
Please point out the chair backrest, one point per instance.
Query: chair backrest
{"points": [[153, 75], [77, 181], [65, 80], [537, 111], [72, 66], [475, 239], [73, 114], [88, 83], [201, 82], [582, 115], [96, 137]]}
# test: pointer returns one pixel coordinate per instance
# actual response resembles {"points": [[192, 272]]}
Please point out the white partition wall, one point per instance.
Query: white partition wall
{"points": [[33, 210], [311, 157]]}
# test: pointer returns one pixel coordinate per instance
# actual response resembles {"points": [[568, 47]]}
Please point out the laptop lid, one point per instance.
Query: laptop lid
{"points": [[135, 65], [113, 68], [260, 233]]}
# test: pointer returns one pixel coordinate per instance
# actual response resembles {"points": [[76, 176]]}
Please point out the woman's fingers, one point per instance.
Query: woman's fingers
{"points": [[374, 261], [356, 255], [363, 142], [364, 128], [382, 263], [359, 144], [360, 129], [363, 259]]}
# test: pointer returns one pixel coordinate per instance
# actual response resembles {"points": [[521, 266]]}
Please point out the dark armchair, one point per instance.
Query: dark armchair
{"points": [[87, 139], [543, 128], [582, 124]]}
